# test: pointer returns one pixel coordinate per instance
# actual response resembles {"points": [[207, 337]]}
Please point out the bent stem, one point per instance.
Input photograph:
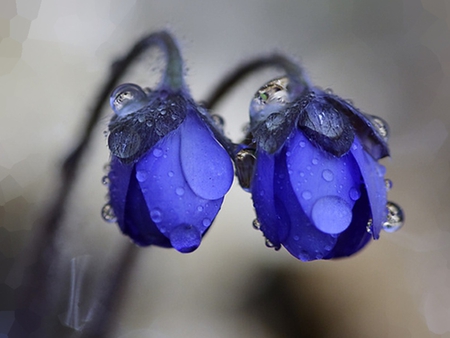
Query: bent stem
{"points": [[297, 81], [43, 253]]}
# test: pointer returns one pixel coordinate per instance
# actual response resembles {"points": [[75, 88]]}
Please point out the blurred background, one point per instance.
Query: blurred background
{"points": [[391, 57]]}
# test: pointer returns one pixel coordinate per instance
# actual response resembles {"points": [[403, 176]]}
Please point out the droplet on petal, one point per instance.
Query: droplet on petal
{"points": [[395, 217], [381, 126], [127, 98], [331, 214], [185, 238]]}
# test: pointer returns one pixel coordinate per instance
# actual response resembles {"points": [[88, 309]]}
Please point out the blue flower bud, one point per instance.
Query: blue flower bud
{"points": [[316, 185], [169, 173]]}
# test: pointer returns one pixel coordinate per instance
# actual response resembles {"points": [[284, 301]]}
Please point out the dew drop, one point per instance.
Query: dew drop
{"points": [[105, 180], [156, 215], [108, 213], [206, 222], [296, 238], [179, 191], [256, 225], [199, 208], [141, 118], [170, 174], [302, 144], [329, 91], [149, 123], [141, 176], [354, 194], [107, 168], [185, 238], [327, 175], [369, 226], [315, 161], [388, 184], [380, 125], [157, 152], [127, 98], [331, 214], [269, 244], [306, 195], [395, 218], [163, 112]]}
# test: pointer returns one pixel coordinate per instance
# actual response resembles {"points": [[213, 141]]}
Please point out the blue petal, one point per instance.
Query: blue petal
{"points": [[119, 177], [326, 186], [373, 176], [206, 165], [264, 198], [356, 236], [137, 222], [169, 198], [304, 240]]}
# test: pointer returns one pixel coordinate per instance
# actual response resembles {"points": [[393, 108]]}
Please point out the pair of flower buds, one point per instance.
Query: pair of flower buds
{"points": [[310, 161]]}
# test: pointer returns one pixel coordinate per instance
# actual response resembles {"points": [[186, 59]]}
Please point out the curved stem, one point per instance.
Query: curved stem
{"points": [[297, 80], [43, 252]]}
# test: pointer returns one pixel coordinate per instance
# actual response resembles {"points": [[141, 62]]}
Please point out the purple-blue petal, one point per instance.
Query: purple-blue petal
{"points": [[303, 240], [264, 198], [137, 222], [170, 200], [206, 165], [119, 177], [326, 186], [373, 175]]}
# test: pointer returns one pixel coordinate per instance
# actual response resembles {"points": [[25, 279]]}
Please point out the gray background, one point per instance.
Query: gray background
{"points": [[391, 57]]}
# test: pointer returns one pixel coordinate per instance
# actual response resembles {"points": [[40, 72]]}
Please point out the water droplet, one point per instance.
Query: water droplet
{"points": [[149, 123], [218, 120], [141, 118], [315, 161], [380, 125], [306, 194], [301, 173], [296, 238], [157, 152], [329, 91], [108, 213], [288, 153], [369, 226], [269, 244], [107, 168], [156, 215], [105, 180], [388, 184], [245, 162], [256, 224], [141, 176], [395, 217], [302, 144], [185, 238], [170, 174], [331, 214], [127, 98], [327, 175], [179, 191], [163, 112], [206, 222], [354, 193], [199, 208]]}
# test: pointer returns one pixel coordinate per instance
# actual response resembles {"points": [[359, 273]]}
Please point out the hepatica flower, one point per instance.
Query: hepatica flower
{"points": [[168, 172], [317, 186]]}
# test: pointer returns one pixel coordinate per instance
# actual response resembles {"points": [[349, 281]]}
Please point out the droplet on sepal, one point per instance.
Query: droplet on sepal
{"points": [[127, 98], [108, 213], [270, 98], [369, 226], [380, 125], [395, 217]]}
